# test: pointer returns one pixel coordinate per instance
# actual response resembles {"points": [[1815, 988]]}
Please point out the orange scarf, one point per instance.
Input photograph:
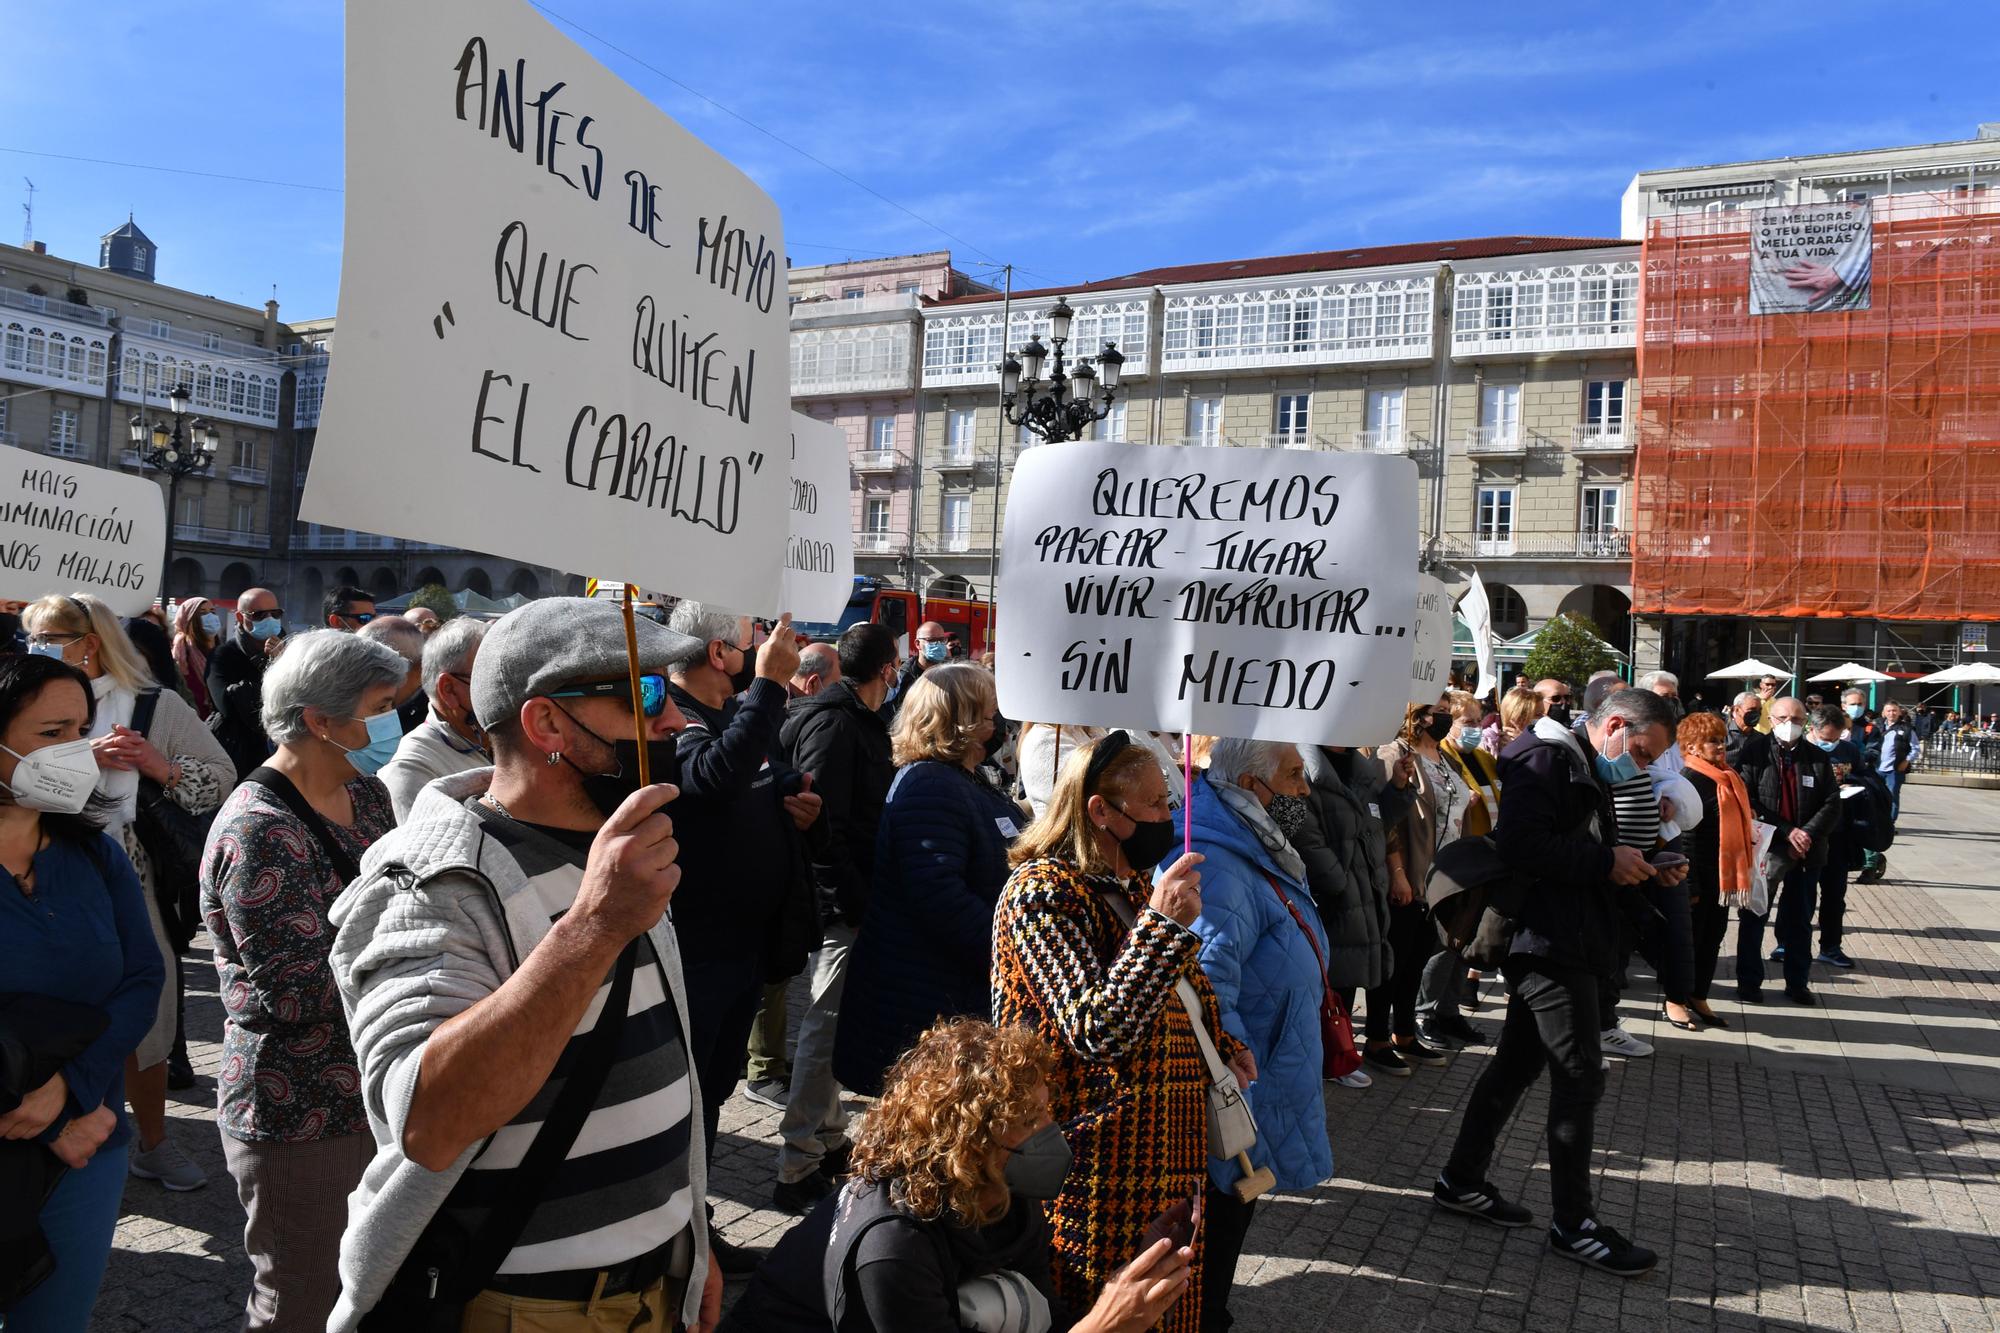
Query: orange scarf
{"points": [[1733, 836]]}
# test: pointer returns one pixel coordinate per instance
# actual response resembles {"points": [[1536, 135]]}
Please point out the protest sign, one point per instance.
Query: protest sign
{"points": [[819, 554], [562, 333], [1477, 612], [1261, 593], [1430, 654], [1811, 257], [68, 527]]}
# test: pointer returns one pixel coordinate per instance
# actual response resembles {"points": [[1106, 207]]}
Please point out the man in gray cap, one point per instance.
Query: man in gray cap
{"points": [[514, 992]]}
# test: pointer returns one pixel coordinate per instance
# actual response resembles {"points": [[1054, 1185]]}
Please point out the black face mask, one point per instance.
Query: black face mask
{"points": [[1438, 727], [741, 678], [1559, 714], [1751, 716], [1148, 843], [414, 713], [607, 791]]}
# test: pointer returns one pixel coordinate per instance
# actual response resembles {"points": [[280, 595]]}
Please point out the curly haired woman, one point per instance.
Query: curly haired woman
{"points": [[939, 1227]]}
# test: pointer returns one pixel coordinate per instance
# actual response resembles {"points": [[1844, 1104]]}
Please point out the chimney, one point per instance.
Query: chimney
{"points": [[271, 324], [39, 247]]}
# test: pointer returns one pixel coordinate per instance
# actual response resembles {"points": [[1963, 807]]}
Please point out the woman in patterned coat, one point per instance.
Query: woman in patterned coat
{"points": [[1086, 951], [288, 1095]]}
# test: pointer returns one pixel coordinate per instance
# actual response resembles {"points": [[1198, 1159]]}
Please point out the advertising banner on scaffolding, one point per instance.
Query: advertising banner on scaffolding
{"points": [[1808, 258]]}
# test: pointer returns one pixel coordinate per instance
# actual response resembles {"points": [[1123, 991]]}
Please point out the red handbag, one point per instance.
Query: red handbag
{"points": [[1338, 1055]]}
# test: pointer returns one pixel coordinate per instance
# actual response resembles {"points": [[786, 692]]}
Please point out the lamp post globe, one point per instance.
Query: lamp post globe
{"points": [[176, 449], [1075, 393]]}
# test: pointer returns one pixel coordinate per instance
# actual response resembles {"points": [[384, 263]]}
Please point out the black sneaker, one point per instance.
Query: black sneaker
{"points": [[180, 1074], [797, 1197], [1602, 1248], [1417, 1053], [733, 1260], [1750, 994], [1834, 957], [1436, 1037], [1454, 1025], [1482, 1201], [768, 1092], [1385, 1060], [1800, 995]]}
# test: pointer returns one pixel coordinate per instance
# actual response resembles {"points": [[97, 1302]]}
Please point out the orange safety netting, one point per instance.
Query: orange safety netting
{"points": [[1824, 464]]}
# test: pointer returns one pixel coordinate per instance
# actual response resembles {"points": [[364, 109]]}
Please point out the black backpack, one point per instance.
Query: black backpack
{"points": [[1868, 818]]}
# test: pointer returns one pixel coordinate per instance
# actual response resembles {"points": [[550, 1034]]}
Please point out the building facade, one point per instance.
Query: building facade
{"points": [[1502, 366]]}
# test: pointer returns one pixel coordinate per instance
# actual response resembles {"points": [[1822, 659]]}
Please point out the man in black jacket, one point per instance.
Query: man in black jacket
{"points": [[838, 737], [236, 677], [1556, 830], [1792, 787], [1739, 722], [740, 855]]}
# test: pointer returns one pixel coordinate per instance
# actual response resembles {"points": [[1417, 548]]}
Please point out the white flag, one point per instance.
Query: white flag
{"points": [[1477, 613]]}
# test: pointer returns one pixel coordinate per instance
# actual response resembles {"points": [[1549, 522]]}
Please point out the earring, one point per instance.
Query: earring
{"points": [[555, 757], [86, 660]]}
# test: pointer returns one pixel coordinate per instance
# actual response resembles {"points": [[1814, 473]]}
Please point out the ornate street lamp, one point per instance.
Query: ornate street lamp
{"points": [[184, 449], [1060, 406]]}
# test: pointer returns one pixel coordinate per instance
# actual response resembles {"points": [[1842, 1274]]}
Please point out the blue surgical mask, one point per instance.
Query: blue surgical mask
{"points": [[54, 650], [1615, 771], [266, 629], [1824, 745], [385, 733], [1468, 738], [1855, 710], [937, 650], [211, 623]]}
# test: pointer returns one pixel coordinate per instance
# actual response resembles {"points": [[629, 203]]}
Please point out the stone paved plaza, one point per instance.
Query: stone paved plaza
{"points": [[1834, 1168]]}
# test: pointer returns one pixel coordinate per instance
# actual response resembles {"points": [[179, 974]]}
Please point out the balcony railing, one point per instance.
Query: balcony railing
{"points": [[1609, 436], [1598, 544], [877, 460], [1495, 440], [255, 476], [195, 532], [957, 458], [952, 543], [872, 303], [876, 543], [9, 437], [49, 305], [325, 539], [1382, 441], [1280, 439], [131, 458]]}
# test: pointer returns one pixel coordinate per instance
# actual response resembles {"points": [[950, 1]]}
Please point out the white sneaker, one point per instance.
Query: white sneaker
{"points": [[1620, 1042], [1358, 1079], [1603, 1065], [167, 1164]]}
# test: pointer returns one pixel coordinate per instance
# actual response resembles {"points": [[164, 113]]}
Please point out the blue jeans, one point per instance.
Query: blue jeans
{"points": [[78, 1220], [1894, 782], [1794, 914]]}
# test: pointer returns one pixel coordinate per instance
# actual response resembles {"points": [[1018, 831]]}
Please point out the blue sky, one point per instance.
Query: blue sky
{"points": [[1076, 140]]}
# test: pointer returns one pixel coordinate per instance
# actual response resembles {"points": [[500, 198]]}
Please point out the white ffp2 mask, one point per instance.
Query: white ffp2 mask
{"points": [[56, 779]]}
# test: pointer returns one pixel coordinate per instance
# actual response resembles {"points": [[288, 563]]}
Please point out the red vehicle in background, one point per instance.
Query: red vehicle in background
{"points": [[902, 611]]}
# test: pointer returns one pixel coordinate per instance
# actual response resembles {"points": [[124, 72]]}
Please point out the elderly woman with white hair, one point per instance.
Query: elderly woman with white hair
{"points": [[284, 845], [1264, 949]]}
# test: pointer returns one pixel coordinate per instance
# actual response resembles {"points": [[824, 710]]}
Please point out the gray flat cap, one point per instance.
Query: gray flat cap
{"points": [[558, 641]]}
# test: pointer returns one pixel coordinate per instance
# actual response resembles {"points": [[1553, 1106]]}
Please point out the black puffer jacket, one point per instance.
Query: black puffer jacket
{"points": [[844, 744], [1343, 845]]}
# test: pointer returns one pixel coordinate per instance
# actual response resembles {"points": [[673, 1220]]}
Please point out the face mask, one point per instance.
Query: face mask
{"points": [[1750, 716], [54, 650], [1788, 732], [1468, 738], [211, 623], [740, 679], [1824, 745], [1621, 768], [937, 650], [1149, 842], [607, 791], [385, 733], [1037, 1169], [1559, 714], [1438, 727], [56, 779], [266, 629], [1856, 710], [416, 712]]}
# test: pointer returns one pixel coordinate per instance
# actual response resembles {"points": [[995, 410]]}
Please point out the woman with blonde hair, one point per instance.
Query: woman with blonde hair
{"points": [[926, 935], [1520, 708], [941, 1225], [140, 731], [1087, 951], [197, 631]]}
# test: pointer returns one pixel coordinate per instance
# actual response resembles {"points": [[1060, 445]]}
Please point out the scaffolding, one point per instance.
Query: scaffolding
{"points": [[1833, 464]]}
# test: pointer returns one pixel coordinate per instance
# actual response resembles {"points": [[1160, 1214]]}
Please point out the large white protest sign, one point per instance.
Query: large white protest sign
{"points": [[819, 553], [1263, 593], [1430, 654], [67, 527], [1811, 257], [562, 324], [1477, 611]]}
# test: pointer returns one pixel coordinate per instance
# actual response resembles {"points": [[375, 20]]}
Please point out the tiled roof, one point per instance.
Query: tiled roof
{"points": [[1379, 256]]}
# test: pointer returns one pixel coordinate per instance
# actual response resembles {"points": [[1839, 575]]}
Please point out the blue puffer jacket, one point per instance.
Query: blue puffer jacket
{"points": [[925, 944], [1267, 982]]}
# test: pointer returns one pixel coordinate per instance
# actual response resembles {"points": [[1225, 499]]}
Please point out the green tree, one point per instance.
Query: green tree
{"points": [[438, 598], [1568, 648]]}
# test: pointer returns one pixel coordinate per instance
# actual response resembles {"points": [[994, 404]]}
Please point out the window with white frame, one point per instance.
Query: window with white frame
{"points": [[1384, 416], [1500, 413], [1204, 419], [875, 516], [1601, 508], [1595, 302], [961, 435], [957, 518], [1293, 421], [62, 433], [1329, 321], [246, 453], [1113, 425], [1494, 524], [1604, 410], [190, 515], [850, 293], [906, 289], [242, 516], [4, 402], [882, 434]]}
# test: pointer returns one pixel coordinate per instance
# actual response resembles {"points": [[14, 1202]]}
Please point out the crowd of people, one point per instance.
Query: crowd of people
{"points": [[485, 990]]}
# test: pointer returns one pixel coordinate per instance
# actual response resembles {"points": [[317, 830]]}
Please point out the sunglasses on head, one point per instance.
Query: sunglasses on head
{"points": [[652, 692]]}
